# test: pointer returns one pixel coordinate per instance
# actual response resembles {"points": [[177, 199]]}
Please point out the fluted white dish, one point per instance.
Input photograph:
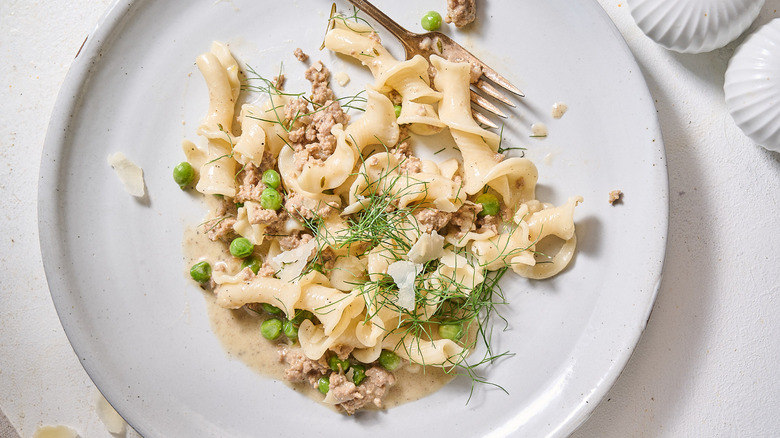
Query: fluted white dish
{"points": [[752, 86], [694, 26]]}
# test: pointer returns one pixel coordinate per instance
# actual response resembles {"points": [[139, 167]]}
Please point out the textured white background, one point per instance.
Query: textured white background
{"points": [[707, 364]]}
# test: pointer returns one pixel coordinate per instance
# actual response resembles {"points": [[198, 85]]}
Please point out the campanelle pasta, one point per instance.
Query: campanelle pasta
{"points": [[361, 253]]}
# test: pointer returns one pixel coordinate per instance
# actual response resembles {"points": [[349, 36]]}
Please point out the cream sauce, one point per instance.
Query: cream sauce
{"points": [[239, 333]]}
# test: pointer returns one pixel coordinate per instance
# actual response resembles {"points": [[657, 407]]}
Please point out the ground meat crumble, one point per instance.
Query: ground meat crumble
{"points": [[463, 220], [461, 12], [615, 197], [220, 225], [403, 153], [348, 396], [310, 129], [299, 55], [372, 390]]}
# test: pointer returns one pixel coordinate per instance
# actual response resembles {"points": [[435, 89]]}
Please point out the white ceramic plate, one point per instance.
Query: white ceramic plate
{"points": [[114, 263]]}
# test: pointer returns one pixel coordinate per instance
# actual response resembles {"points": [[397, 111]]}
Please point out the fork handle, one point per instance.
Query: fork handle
{"points": [[394, 28]]}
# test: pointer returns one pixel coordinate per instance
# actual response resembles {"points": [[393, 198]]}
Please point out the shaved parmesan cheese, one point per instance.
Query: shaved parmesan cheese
{"points": [[404, 273], [290, 264], [114, 423], [129, 173], [428, 247], [55, 432]]}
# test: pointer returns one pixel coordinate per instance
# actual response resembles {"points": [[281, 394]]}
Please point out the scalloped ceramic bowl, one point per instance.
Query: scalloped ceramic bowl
{"points": [[752, 86], [694, 26]]}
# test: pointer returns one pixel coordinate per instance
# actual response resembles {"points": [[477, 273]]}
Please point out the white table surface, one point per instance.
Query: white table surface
{"points": [[707, 364]]}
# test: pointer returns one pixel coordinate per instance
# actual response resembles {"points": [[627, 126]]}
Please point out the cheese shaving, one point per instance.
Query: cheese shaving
{"points": [[404, 273], [129, 173], [428, 247], [290, 264]]}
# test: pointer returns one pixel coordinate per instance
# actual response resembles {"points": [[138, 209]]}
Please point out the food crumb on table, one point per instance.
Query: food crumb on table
{"points": [[300, 56], [615, 196]]}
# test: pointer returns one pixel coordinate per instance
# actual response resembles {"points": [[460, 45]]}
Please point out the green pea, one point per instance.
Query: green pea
{"points": [[201, 272], [323, 384], [270, 199], [337, 364], [431, 21], [300, 315], [451, 331], [271, 328], [271, 178], [290, 330], [389, 360], [397, 110], [273, 310], [489, 204], [358, 374], [241, 247], [183, 174], [252, 263]]}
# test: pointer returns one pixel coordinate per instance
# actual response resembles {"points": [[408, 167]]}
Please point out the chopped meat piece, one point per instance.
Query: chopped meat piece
{"points": [[246, 274], [371, 391], [406, 159], [250, 179], [251, 186], [319, 76], [293, 241], [301, 207], [300, 56], [431, 219], [348, 396], [615, 196], [487, 223], [318, 143], [461, 12], [275, 220], [220, 225], [342, 351], [295, 116], [262, 216], [301, 368], [266, 270], [276, 226], [328, 258], [279, 82], [474, 73], [310, 130], [463, 220]]}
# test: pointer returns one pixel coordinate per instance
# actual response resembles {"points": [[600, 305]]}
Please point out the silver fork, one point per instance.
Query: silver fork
{"points": [[436, 43]]}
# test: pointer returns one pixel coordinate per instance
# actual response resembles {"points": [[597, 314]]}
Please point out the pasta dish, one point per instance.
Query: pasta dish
{"points": [[357, 257]]}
